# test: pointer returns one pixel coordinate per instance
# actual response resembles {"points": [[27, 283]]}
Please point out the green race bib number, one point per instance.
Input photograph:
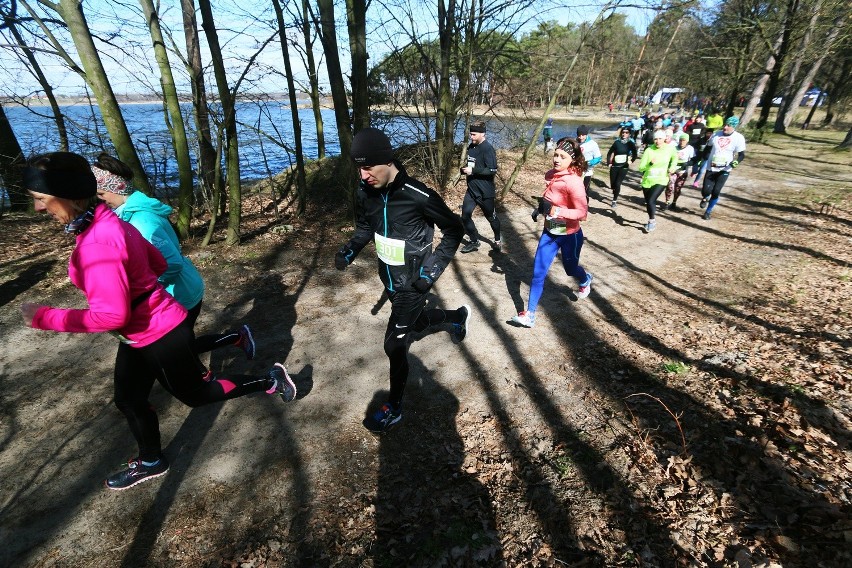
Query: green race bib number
{"points": [[390, 251]]}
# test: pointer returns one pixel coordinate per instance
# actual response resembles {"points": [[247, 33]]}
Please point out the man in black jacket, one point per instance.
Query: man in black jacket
{"points": [[480, 170], [399, 214]]}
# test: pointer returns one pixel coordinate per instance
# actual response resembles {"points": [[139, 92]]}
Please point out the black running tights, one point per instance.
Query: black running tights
{"points": [[172, 361], [488, 209], [407, 316]]}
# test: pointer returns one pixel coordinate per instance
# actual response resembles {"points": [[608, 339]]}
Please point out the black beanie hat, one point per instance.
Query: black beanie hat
{"points": [[478, 127], [582, 130], [68, 176], [371, 147]]}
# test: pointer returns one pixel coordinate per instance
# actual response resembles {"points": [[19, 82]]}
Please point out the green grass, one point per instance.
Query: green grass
{"points": [[563, 465], [676, 367]]}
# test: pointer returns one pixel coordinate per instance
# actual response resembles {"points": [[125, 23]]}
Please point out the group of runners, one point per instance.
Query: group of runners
{"points": [[672, 149], [139, 286]]}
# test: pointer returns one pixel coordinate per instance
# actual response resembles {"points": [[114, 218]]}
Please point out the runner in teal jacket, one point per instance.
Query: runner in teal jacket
{"points": [[151, 217]]}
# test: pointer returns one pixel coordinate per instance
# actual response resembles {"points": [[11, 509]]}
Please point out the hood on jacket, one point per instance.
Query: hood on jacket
{"points": [[138, 201]]}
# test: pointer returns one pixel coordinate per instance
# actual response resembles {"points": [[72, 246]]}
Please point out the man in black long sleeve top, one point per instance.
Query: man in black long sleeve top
{"points": [[480, 170], [621, 150], [399, 214]]}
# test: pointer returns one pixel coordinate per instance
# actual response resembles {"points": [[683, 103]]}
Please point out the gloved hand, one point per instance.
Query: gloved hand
{"points": [[534, 215], [343, 258], [735, 163], [544, 206], [422, 284]]}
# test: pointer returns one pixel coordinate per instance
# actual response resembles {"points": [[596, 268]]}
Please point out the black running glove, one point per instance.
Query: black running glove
{"points": [[422, 284], [343, 258], [544, 206], [535, 215]]}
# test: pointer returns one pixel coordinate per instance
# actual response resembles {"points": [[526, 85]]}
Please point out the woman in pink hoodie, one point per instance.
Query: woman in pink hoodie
{"points": [[563, 205], [117, 270]]}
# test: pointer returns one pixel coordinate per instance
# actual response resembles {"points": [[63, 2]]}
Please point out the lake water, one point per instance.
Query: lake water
{"points": [[265, 133]]}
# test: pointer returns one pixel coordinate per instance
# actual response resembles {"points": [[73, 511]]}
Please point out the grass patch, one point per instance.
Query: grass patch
{"points": [[676, 367]]}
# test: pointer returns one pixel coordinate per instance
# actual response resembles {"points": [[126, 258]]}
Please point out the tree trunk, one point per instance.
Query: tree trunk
{"points": [[637, 65], [656, 78], [789, 103], [847, 142], [11, 166], [446, 111], [174, 119], [760, 84], [534, 138], [775, 75], [58, 117], [356, 19], [825, 48], [313, 79], [71, 12], [301, 182], [328, 37], [232, 148], [207, 155]]}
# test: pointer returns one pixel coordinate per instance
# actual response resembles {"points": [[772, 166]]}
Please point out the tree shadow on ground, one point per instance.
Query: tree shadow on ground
{"points": [[24, 280], [272, 315], [778, 393], [800, 210], [428, 510], [768, 244], [550, 504], [709, 435]]}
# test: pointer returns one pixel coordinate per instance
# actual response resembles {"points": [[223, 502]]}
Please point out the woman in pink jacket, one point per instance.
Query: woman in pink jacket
{"points": [[117, 270], [563, 205]]}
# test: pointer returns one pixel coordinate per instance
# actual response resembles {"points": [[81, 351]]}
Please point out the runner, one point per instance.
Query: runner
{"points": [[563, 206], [698, 140], [151, 217], [638, 123], [548, 135], [657, 162], [480, 170], [399, 213], [616, 159], [715, 120], [727, 150], [592, 154], [685, 156], [117, 270]]}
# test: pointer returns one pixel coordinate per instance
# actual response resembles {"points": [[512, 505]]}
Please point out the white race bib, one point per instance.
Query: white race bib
{"points": [[620, 158], [658, 172], [390, 251]]}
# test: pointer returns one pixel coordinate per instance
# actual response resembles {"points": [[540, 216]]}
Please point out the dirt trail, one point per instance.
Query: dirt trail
{"points": [[528, 447]]}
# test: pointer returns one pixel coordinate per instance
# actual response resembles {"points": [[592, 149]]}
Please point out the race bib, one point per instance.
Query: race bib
{"points": [[719, 162], [390, 251], [122, 338], [658, 172], [555, 226], [620, 158]]}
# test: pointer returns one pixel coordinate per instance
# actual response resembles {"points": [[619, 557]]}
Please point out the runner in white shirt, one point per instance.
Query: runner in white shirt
{"points": [[727, 150]]}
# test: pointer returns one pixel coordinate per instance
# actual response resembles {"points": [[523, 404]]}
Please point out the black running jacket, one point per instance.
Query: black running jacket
{"points": [[401, 220]]}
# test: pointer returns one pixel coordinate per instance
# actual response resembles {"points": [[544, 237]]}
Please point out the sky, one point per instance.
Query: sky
{"points": [[241, 30]]}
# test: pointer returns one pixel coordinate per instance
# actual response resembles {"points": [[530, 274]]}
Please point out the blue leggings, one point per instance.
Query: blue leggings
{"points": [[548, 246]]}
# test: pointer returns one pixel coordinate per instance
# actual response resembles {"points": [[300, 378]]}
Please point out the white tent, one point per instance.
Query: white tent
{"points": [[658, 96]]}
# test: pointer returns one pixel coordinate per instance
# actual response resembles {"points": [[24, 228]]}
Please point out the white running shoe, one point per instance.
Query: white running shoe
{"points": [[584, 291], [526, 319]]}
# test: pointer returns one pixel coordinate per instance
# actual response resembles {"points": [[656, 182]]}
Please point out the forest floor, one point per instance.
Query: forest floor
{"points": [[694, 410]]}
